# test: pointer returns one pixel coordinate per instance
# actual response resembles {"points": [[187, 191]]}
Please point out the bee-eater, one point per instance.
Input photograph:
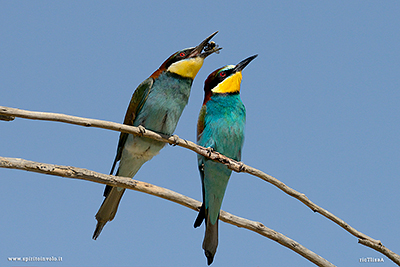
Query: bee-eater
{"points": [[157, 105], [220, 127]]}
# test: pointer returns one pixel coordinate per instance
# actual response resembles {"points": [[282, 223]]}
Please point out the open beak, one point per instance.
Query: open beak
{"points": [[242, 64], [209, 48]]}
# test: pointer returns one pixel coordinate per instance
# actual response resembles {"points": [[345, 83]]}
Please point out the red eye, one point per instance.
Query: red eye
{"points": [[222, 74], [182, 54]]}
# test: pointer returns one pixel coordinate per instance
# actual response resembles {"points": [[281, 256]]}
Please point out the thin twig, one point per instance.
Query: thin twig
{"points": [[84, 174], [232, 164]]}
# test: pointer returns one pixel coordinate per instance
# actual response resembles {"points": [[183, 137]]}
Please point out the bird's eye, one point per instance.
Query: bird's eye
{"points": [[182, 54], [222, 74]]}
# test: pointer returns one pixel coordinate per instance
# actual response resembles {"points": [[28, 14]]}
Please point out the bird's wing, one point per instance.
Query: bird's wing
{"points": [[200, 122], [137, 101], [200, 138]]}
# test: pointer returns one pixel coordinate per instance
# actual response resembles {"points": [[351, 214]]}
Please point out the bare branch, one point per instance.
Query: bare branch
{"points": [[84, 174], [232, 164]]}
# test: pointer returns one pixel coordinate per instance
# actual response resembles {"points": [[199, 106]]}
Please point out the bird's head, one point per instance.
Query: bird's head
{"points": [[187, 62], [225, 80]]}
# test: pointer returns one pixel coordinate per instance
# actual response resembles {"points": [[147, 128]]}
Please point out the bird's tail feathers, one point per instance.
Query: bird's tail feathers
{"points": [[99, 227], [210, 241], [108, 209], [200, 216]]}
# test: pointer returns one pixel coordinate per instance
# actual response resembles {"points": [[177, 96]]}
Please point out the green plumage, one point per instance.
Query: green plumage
{"points": [[220, 126], [157, 105], [224, 121]]}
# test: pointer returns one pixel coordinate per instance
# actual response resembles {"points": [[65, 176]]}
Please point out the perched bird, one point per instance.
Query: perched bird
{"points": [[220, 127], [157, 105]]}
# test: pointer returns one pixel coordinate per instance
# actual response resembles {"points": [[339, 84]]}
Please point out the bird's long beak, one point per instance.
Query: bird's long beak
{"points": [[242, 64], [209, 48]]}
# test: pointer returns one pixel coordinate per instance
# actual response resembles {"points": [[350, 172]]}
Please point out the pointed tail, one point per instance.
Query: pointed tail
{"points": [[210, 241], [108, 208]]}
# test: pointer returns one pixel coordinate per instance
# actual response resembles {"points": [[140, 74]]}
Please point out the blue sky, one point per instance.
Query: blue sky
{"points": [[322, 102]]}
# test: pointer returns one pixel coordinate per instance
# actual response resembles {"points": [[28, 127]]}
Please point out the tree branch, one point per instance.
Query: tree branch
{"points": [[125, 182], [231, 164]]}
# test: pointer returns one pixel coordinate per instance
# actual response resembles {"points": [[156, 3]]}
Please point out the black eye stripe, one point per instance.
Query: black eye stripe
{"points": [[177, 57], [223, 74], [218, 78]]}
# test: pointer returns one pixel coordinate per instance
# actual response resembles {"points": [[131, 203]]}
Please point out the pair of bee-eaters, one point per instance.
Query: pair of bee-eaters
{"points": [[157, 105]]}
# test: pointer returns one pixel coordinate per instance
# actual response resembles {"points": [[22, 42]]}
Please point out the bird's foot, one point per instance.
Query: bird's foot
{"points": [[242, 167], [142, 130], [210, 150], [175, 140]]}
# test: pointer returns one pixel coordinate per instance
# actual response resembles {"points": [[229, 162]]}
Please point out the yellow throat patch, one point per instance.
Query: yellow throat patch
{"points": [[187, 68], [229, 85]]}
